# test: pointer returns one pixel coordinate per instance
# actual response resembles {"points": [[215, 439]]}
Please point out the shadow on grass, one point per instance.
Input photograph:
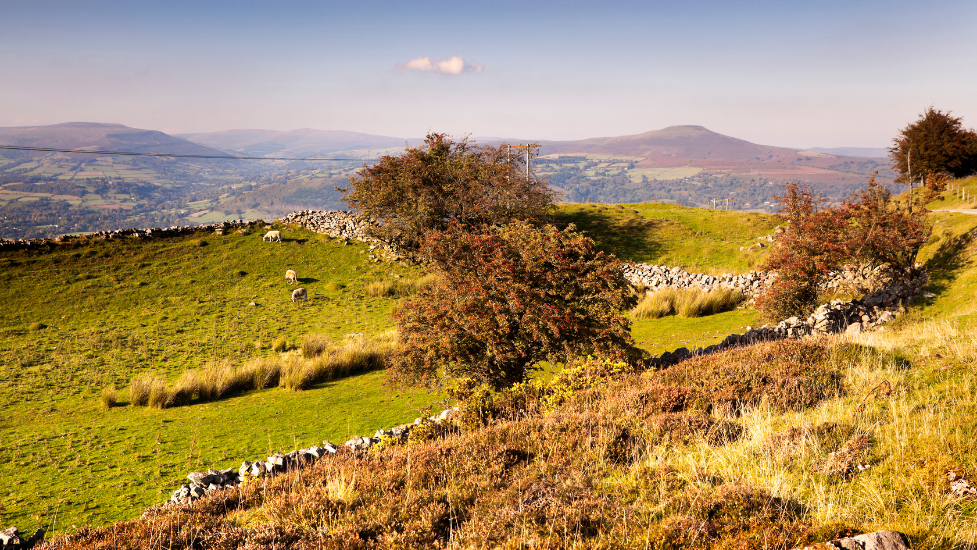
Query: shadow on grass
{"points": [[625, 237], [948, 261], [307, 280]]}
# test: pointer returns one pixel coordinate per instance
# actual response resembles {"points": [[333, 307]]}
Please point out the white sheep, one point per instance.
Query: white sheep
{"points": [[291, 277], [300, 294], [272, 236]]}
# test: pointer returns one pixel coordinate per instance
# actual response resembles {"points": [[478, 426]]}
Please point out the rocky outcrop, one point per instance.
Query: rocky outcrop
{"points": [[878, 540], [11, 539]]}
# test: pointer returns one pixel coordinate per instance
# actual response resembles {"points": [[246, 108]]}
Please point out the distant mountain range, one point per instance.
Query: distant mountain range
{"points": [[43, 193], [692, 143], [104, 137], [870, 152], [305, 142]]}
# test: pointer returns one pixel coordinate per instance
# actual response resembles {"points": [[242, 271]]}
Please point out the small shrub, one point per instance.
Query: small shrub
{"points": [[37, 325], [198, 243], [314, 344], [280, 344], [109, 397]]}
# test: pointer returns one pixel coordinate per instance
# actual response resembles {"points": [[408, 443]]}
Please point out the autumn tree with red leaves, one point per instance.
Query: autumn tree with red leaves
{"points": [[508, 297], [427, 187], [868, 227]]}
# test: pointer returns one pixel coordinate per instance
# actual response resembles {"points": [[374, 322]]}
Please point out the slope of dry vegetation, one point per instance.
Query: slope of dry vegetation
{"points": [[766, 447]]}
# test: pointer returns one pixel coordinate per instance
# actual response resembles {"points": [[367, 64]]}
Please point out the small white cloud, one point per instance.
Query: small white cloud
{"points": [[451, 65]]}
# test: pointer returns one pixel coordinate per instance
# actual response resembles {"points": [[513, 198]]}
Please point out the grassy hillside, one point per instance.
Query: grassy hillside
{"points": [[772, 446], [77, 320], [697, 239]]}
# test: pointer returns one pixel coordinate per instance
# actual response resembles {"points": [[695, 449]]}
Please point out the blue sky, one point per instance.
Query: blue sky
{"points": [[784, 73]]}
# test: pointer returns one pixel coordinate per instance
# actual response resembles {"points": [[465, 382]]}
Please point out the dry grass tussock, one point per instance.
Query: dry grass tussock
{"points": [[351, 355], [773, 446], [398, 288], [686, 302], [322, 360]]}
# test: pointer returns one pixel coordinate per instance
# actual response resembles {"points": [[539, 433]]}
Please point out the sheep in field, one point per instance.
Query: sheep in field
{"points": [[291, 277], [272, 236], [300, 294]]}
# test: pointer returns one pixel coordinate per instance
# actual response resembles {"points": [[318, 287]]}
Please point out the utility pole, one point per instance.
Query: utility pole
{"points": [[727, 201], [529, 153]]}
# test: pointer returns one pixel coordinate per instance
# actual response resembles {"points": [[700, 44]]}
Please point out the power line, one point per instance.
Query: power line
{"points": [[168, 155]]}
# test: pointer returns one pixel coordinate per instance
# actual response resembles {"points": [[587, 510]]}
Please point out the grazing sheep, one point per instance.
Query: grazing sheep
{"points": [[300, 294], [291, 277], [272, 236]]}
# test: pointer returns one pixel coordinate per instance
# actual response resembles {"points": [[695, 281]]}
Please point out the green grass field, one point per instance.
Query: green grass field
{"points": [[75, 321], [696, 239]]}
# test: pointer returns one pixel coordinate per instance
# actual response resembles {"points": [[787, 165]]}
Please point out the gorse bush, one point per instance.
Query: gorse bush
{"points": [[686, 302]]}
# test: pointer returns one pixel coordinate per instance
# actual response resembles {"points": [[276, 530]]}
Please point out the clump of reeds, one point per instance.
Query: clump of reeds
{"points": [[352, 355], [139, 389], [686, 302], [398, 288], [313, 345], [280, 344], [109, 397], [159, 396]]}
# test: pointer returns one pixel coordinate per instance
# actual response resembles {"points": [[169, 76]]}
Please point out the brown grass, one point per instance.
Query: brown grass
{"points": [[398, 288], [109, 397], [583, 472], [314, 344], [139, 389], [686, 302]]}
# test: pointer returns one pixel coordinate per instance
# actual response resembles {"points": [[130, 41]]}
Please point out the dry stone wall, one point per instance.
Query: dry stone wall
{"points": [[219, 228], [202, 483]]}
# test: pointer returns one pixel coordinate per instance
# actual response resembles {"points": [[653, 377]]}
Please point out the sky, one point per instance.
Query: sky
{"points": [[785, 73]]}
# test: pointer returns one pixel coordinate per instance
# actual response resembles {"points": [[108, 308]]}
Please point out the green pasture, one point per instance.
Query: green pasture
{"points": [[76, 320], [695, 239], [663, 173]]}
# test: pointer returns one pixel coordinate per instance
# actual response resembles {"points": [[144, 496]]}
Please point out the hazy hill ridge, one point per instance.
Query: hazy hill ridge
{"points": [[98, 136], [298, 143]]}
